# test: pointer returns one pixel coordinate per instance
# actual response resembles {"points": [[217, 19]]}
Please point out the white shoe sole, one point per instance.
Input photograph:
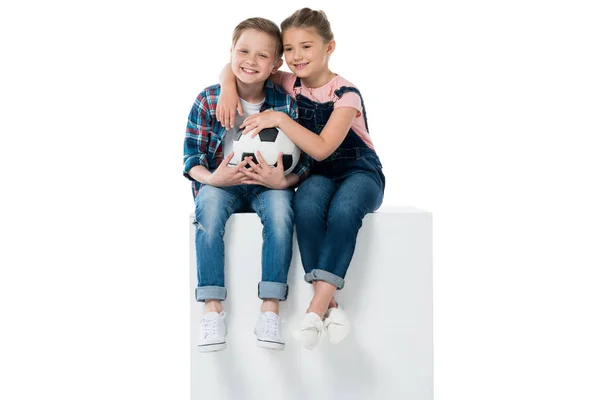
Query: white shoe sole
{"points": [[270, 345], [208, 348]]}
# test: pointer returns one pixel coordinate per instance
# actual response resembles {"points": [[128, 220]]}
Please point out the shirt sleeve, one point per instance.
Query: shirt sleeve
{"points": [[197, 137], [302, 169], [286, 80], [349, 99]]}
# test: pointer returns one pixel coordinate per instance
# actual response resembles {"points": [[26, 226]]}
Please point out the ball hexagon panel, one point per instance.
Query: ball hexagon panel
{"points": [[270, 142]]}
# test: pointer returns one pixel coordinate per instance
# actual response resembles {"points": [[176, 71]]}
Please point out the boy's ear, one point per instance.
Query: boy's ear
{"points": [[277, 65]]}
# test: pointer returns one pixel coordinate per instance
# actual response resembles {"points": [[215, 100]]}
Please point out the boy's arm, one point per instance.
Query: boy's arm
{"points": [[197, 137], [195, 163], [223, 175]]}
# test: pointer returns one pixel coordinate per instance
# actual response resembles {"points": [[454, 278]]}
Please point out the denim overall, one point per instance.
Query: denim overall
{"points": [[331, 203]]}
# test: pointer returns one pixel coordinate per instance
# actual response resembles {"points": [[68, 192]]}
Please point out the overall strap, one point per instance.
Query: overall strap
{"points": [[345, 89]]}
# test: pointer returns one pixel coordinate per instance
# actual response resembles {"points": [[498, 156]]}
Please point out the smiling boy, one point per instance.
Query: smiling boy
{"points": [[220, 190]]}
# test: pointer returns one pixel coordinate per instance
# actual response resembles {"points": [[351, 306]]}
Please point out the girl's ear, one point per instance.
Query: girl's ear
{"points": [[277, 65], [330, 47]]}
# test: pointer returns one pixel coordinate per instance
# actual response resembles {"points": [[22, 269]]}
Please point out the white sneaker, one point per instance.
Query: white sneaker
{"points": [[268, 331], [336, 325], [309, 331], [212, 332]]}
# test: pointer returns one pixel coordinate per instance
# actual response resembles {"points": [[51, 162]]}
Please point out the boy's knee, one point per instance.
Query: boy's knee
{"points": [[211, 218]]}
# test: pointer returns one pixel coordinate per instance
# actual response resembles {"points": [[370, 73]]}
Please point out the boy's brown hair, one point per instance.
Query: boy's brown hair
{"points": [[262, 25]]}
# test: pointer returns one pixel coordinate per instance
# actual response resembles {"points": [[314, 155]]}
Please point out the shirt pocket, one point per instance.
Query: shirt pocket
{"points": [[306, 114]]}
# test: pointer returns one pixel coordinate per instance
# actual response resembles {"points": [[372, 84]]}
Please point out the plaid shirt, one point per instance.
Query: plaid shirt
{"points": [[204, 133]]}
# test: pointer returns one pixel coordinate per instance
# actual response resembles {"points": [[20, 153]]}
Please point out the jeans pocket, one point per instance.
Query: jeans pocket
{"points": [[372, 164], [372, 161]]}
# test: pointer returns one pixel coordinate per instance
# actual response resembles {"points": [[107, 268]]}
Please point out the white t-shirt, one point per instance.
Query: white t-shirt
{"points": [[249, 109]]}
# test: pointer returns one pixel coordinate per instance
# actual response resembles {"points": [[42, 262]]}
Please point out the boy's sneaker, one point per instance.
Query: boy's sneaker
{"points": [[268, 331], [212, 332], [309, 331], [336, 325]]}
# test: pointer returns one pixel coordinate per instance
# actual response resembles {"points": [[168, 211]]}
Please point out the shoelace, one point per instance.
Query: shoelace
{"points": [[272, 326], [209, 326]]}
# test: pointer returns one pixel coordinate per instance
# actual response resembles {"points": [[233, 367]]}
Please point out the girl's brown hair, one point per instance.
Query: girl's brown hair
{"points": [[307, 18]]}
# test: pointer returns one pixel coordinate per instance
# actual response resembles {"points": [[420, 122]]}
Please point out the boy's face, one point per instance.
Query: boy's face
{"points": [[253, 57]]}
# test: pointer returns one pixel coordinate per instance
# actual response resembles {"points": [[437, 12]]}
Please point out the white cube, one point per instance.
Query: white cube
{"points": [[387, 296]]}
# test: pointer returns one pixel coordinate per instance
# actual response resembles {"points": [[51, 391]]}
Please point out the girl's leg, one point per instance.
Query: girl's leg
{"points": [[332, 303], [311, 205], [322, 298], [356, 196]]}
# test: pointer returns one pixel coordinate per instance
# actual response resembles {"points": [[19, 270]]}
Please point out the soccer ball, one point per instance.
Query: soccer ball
{"points": [[269, 142]]}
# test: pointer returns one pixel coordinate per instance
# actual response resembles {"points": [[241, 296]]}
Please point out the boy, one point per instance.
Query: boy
{"points": [[220, 190]]}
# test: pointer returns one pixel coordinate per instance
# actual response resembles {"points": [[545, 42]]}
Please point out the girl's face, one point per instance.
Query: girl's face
{"points": [[305, 52], [253, 57]]}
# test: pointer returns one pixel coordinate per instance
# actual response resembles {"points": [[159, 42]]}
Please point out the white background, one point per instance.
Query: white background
{"points": [[485, 113]]}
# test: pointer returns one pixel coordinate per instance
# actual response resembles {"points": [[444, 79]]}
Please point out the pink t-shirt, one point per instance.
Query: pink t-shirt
{"points": [[325, 94]]}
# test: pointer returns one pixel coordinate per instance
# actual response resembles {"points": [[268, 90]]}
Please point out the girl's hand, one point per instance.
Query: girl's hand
{"points": [[260, 121], [228, 103], [262, 174]]}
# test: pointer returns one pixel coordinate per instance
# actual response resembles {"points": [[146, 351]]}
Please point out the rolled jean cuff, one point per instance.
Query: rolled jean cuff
{"points": [[322, 275], [204, 293], [272, 290]]}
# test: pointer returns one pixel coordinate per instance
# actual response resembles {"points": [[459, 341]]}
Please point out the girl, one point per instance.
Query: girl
{"points": [[346, 179]]}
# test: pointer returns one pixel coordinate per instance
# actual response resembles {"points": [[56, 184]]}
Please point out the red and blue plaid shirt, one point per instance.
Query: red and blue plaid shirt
{"points": [[204, 133]]}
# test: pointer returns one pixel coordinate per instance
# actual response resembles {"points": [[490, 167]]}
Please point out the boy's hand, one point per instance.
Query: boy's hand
{"points": [[260, 121], [228, 103], [262, 174], [228, 176]]}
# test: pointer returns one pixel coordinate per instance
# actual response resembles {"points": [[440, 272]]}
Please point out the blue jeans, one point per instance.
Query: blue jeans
{"points": [[214, 206], [329, 210]]}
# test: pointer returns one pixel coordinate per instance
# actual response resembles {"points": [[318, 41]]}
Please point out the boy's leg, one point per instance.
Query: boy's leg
{"points": [[214, 206], [311, 207], [274, 207]]}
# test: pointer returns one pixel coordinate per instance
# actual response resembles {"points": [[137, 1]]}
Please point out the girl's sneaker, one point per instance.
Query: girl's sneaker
{"points": [[336, 324], [268, 331], [309, 331], [212, 332]]}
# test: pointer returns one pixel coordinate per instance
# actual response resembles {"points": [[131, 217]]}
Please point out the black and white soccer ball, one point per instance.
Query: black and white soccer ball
{"points": [[269, 142]]}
